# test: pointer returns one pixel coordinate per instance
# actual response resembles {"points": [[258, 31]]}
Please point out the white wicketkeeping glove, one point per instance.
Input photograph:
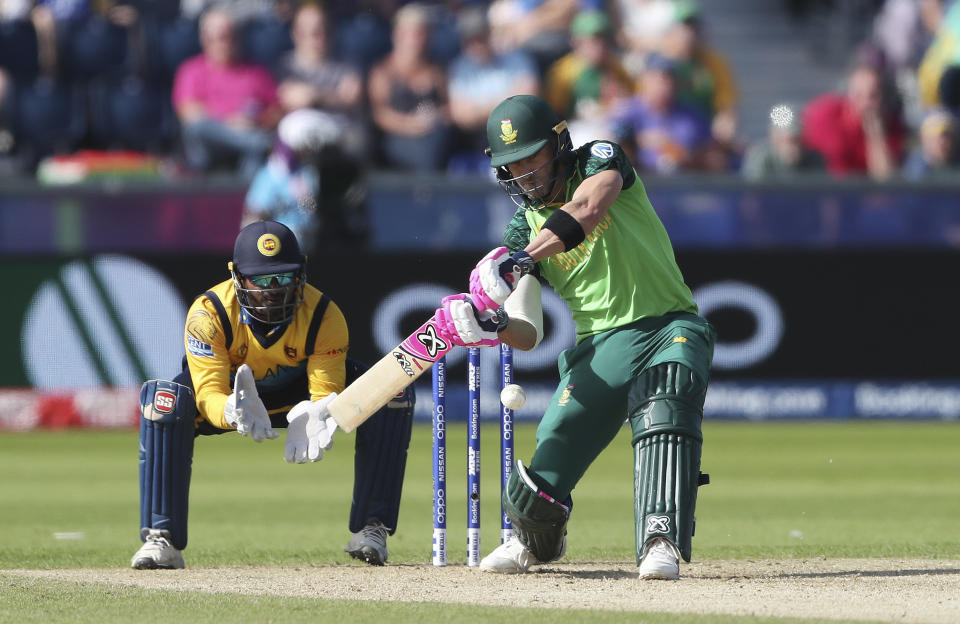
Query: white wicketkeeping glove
{"points": [[310, 432], [245, 411]]}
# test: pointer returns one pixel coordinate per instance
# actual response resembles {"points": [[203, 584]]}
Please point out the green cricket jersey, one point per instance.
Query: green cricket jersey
{"points": [[625, 269]]}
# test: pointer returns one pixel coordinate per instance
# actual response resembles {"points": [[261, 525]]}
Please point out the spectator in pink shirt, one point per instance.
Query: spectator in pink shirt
{"points": [[227, 109]]}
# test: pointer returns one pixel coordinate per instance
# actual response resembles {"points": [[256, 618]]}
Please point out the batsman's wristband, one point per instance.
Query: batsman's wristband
{"points": [[567, 229], [502, 319], [524, 261]]}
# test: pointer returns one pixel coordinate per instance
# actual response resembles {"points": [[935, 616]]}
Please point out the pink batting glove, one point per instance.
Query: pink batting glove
{"points": [[462, 324], [495, 277]]}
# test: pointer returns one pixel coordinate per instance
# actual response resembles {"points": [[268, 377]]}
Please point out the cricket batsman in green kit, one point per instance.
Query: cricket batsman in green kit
{"points": [[586, 226]]}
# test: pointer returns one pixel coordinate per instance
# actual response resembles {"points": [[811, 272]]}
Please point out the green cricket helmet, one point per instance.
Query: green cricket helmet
{"points": [[519, 127]]}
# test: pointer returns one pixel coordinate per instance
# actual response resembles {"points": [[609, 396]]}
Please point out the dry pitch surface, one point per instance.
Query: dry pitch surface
{"points": [[883, 590]]}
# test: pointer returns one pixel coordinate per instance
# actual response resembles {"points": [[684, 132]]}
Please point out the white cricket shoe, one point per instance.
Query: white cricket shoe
{"points": [[512, 557], [661, 560], [369, 544], [157, 552]]}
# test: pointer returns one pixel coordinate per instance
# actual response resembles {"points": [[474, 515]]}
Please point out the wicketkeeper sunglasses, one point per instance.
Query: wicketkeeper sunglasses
{"points": [[264, 281]]}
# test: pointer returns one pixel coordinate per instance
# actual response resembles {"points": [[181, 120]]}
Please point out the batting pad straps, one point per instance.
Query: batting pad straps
{"points": [[566, 227], [539, 521], [666, 398]]}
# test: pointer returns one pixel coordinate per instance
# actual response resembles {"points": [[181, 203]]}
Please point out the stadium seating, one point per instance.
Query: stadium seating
{"points": [[18, 50], [93, 48], [362, 40], [130, 113], [170, 43], [265, 41], [47, 117], [444, 41]]}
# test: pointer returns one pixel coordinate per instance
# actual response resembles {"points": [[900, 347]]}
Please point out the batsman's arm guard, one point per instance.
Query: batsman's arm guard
{"points": [[666, 410], [168, 413], [524, 310], [539, 521]]}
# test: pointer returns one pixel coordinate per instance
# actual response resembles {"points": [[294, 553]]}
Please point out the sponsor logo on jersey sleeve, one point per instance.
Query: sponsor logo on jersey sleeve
{"points": [[602, 150], [202, 326], [199, 348]]}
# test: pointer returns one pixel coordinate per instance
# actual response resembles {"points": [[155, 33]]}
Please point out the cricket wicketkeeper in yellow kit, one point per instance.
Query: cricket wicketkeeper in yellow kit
{"points": [[264, 350]]}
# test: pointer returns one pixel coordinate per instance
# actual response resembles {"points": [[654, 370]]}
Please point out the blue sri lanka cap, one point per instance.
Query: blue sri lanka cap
{"points": [[266, 247]]}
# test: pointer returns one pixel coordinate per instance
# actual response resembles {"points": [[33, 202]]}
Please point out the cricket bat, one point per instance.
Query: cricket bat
{"points": [[420, 350], [388, 377]]}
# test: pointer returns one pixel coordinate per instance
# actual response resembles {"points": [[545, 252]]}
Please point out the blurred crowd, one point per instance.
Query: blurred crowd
{"points": [[283, 93]]}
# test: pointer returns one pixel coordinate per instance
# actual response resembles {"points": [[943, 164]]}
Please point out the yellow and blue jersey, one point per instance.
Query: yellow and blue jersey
{"points": [[217, 341]]}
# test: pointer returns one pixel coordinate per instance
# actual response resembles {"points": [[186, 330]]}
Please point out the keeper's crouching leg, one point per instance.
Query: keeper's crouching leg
{"points": [[167, 430], [666, 410], [380, 459]]}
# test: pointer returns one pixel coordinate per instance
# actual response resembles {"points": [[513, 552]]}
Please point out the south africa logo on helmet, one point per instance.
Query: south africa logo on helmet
{"points": [[507, 134], [519, 127]]}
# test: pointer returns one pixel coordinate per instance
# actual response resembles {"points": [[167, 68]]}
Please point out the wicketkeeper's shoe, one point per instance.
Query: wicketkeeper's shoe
{"points": [[157, 552], [512, 557], [369, 544], [661, 560]]}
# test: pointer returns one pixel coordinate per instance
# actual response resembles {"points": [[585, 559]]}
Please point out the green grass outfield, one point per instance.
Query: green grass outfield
{"points": [[779, 490]]}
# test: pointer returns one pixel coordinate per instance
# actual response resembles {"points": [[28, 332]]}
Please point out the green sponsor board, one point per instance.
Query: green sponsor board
{"points": [[27, 276], [102, 320]]}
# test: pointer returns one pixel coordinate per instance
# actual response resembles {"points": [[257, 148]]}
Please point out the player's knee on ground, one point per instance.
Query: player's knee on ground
{"points": [[666, 410], [539, 521], [168, 411]]}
